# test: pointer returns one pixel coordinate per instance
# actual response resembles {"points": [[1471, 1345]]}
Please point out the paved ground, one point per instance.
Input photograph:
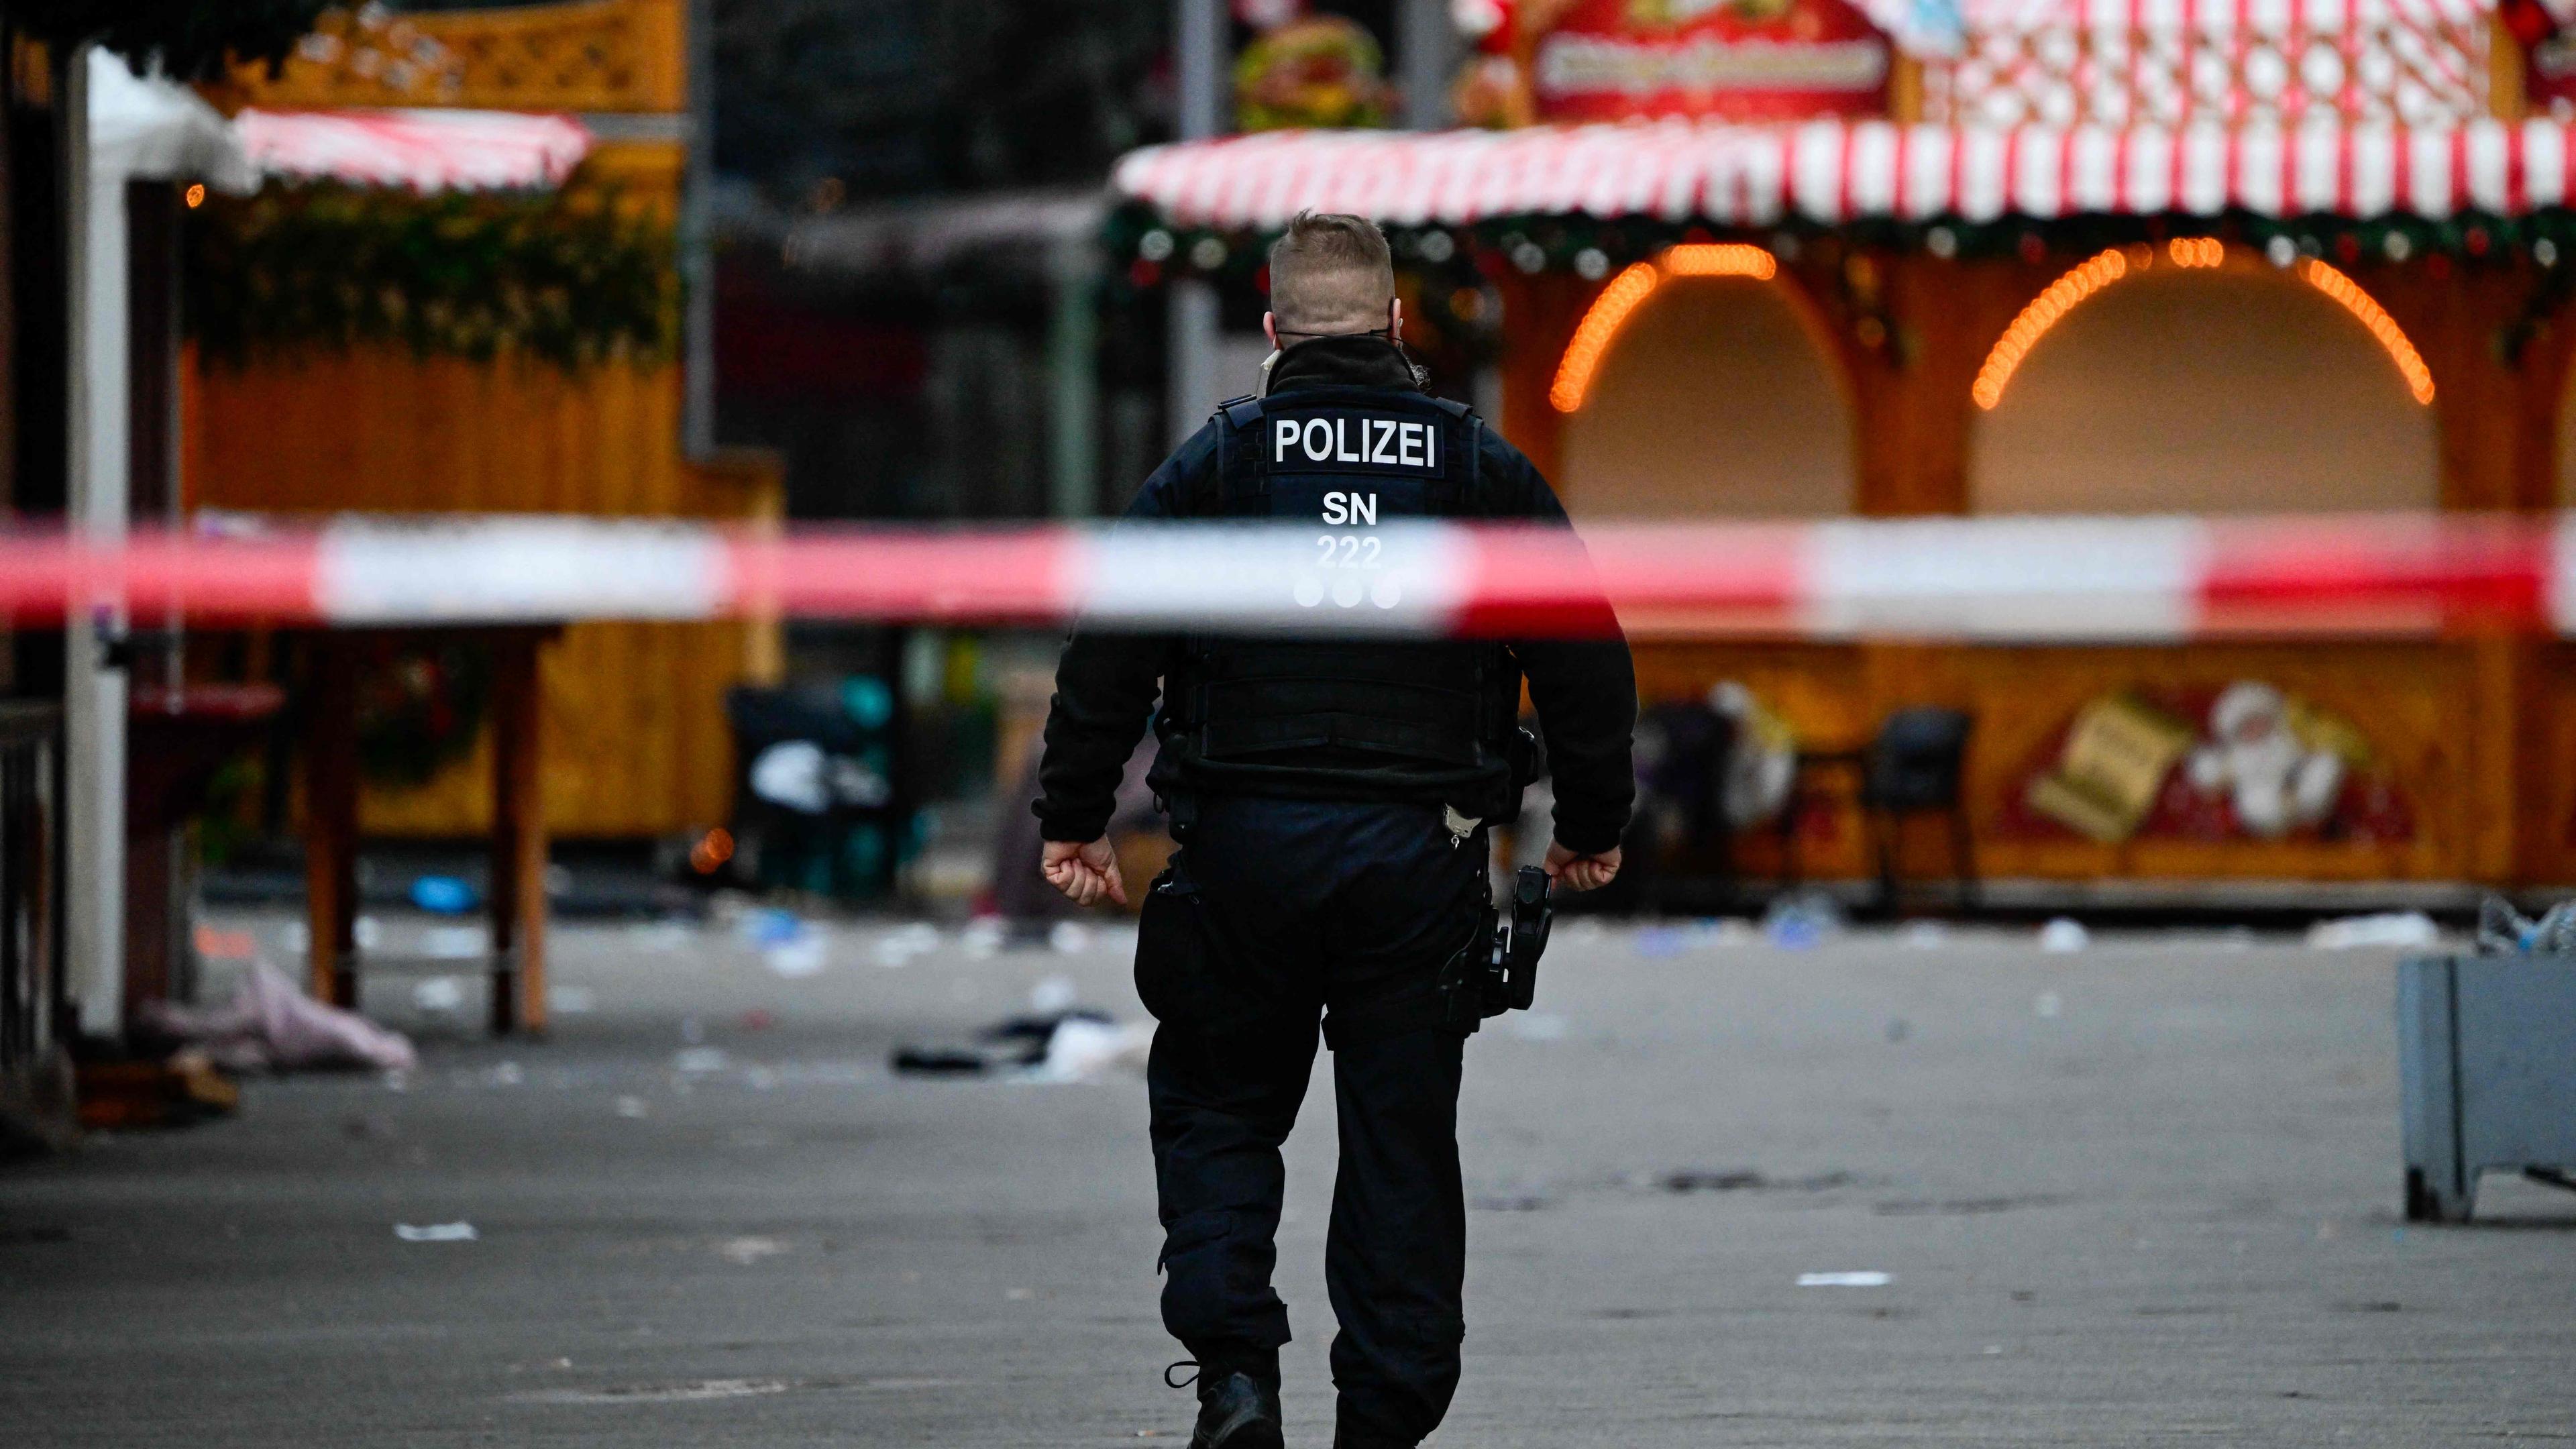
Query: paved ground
{"points": [[2140, 1194]]}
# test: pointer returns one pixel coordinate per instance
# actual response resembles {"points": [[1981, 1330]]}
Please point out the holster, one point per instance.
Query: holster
{"points": [[1497, 970], [1181, 810]]}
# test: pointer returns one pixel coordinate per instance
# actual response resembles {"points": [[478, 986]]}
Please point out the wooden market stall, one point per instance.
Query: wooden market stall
{"points": [[417, 412], [2079, 257]]}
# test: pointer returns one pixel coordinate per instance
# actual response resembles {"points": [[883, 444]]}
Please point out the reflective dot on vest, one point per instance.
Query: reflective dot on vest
{"points": [[1310, 592], [1347, 591], [1386, 593]]}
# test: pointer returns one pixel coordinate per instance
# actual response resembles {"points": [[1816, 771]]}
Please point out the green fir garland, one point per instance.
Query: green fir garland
{"points": [[552, 275]]}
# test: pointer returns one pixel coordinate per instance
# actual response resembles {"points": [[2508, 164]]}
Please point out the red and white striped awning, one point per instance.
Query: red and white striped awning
{"points": [[2209, 17], [1938, 29], [1837, 171], [424, 149]]}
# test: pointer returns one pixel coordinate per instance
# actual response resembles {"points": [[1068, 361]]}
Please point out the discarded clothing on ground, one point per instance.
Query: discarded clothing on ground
{"points": [[269, 1025], [1060, 1046]]}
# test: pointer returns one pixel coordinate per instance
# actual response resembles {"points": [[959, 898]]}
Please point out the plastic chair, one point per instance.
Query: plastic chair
{"points": [[1914, 767]]}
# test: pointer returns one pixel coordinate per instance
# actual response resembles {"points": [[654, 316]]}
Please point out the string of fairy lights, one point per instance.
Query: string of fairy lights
{"points": [[2044, 312], [1609, 312], [1455, 267], [2112, 264], [1157, 250]]}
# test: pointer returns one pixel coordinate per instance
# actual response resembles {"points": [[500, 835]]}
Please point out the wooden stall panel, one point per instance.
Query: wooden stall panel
{"points": [[2340, 761], [633, 714], [2326, 760], [378, 429], [2545, 783], [635, 740]]}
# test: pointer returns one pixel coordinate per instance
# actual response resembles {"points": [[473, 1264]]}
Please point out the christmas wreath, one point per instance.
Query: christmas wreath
{"points": [[419, 707]]}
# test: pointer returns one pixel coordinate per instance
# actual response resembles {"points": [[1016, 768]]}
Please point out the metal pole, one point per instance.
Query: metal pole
{"points": [[1199, 55], [94, 690], [1426, 52], [1073, 348], [1194, 388], [697, 266], [1199, 40]]}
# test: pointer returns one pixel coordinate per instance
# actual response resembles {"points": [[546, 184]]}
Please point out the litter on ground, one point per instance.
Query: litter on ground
{"points": [[455, 943], [438, 995], [1802, 920], [2504, 931], [899, 946], [2064, 934], [442, 895], [2390, 929], [435, 1232], [805, 955]]}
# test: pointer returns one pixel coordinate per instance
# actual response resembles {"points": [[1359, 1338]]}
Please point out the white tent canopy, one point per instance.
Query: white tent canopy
{"points": [[128, 128], [154, 129]]}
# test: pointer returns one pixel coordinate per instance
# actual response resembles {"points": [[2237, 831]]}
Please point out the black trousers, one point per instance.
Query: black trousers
{"points": [[1278, 914]]}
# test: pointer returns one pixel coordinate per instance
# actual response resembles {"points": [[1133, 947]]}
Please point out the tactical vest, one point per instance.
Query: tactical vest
{"points": [[1343, 717]]}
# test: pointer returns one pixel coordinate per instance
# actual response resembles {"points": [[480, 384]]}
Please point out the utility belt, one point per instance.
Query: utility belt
{"points": [[1181, 776], [1497, 970]]}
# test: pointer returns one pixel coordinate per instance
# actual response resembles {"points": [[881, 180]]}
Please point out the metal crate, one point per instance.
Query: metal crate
{"points": [[2487, 1049]]}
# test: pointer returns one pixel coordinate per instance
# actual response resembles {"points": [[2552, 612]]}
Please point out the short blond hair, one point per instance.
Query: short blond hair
{"points": [[1331, 274]]}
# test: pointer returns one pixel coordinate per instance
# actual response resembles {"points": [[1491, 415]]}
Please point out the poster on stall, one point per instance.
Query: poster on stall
{"points": [[1741, 60], [2249, 761]]}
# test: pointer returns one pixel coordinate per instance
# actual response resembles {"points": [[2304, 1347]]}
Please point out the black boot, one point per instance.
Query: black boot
{"points": [[1236, 1411]]}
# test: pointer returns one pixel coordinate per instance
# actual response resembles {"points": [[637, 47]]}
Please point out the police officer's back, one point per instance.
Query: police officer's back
{"points": [[1331, 798]]}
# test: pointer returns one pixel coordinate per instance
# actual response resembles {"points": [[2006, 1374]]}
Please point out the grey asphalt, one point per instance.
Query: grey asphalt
{"points": [[2144, 1193]]}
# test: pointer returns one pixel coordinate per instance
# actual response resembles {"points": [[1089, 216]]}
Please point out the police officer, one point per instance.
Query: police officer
{"points": [[1330, 799]]}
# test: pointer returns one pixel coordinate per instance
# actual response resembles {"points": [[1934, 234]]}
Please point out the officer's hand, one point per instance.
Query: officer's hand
{"points": [[1581, 872], [1084, 872]]}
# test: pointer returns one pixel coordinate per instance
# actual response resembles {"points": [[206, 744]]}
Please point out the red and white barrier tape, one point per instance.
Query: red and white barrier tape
{"points": [[1988, 578]]}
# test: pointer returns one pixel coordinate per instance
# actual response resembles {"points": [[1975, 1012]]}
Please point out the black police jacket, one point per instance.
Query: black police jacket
{"points": [[1107, 683]]}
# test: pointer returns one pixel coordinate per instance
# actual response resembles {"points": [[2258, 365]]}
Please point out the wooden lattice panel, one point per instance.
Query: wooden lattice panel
{"points": [[591, 55], [2412, 73]]}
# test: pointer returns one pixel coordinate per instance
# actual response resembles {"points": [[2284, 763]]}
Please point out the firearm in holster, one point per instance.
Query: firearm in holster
{"points": [[1498, 970]]}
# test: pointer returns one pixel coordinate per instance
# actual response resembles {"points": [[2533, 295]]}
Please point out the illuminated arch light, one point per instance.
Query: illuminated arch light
{"points": [[2196, 251], [2073, 289], [2045, 311], [1719, 259], [2392, 339], [1610, 310]]}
